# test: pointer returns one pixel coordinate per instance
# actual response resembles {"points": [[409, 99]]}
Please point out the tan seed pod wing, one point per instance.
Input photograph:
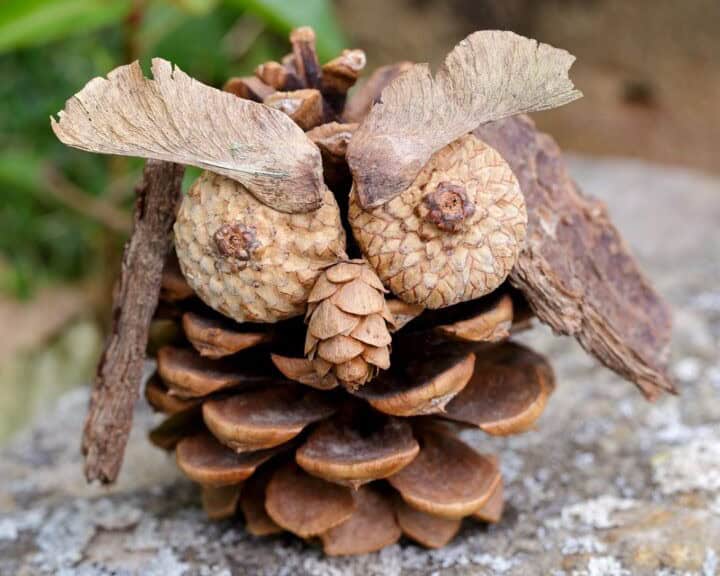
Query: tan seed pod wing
{"points": [[492, 510], [424, 385], [159, 397], [576, 271], [448, 478], [252, 504], [426, 529], [178, 119], [488, 76], [346, 453], [507, 393], [189, 375], [175, 427], [214, 337], [371, 527], [220, 502], [266, 417], [205, 461], [367, 94], [302, 370], [306, 505]]}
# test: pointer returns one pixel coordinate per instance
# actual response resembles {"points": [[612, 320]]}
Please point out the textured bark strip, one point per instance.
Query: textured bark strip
{"points": [[576, 271], [117, 382]]}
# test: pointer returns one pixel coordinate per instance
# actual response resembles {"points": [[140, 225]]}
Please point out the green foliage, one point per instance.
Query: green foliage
{"points": [[34, 22], [283, 15], [49, 49]]}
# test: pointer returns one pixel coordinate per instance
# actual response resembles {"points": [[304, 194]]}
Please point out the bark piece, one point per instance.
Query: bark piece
{"points": [[332, 139], [189, 375], [426, 529], [264, 418], [173, 286], [341, 73], [371, 527], [306, 59], [302, 370], [252, 503], [175, 427], [488, 76], [305, 107], [402, 312], [507, 393], [159, 397], [205, 461], [220, 502], [278, 76], [448, 478], [576, 271], [306, 505], [249, 88], [117, 381], [425, 385], [492, 510], [175, 118], [489, 324], [352, 452], [215, 337], [367, 94]]}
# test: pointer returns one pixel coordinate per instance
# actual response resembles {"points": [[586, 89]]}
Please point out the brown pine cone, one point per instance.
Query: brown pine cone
{"points": [[348, 336], [438, 215], [366, 469]]}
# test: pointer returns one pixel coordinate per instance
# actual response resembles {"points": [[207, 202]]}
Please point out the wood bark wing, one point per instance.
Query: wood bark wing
{"points": [[488, 76], [175, 118]]}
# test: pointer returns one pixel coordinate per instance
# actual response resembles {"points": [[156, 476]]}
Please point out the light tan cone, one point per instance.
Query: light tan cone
{"points": [[248, 261], [453, 235], [348, 333]]}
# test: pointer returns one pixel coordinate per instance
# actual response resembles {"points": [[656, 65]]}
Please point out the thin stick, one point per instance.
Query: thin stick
{"points": [[117, 382]]}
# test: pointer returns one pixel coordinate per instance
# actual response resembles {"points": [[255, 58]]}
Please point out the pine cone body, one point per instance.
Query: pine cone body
{"points": [[348, 337], [356, 472], [454, 235], [248, 261]]}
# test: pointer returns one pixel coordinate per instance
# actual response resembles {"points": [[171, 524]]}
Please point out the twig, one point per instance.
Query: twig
{"points": [[72, 196], [117, 382]]}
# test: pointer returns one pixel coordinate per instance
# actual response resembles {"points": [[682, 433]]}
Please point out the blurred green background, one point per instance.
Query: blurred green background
{"points": [[64, 214], [650, 72]]}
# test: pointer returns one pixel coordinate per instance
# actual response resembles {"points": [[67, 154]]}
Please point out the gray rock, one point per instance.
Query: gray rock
{"points": [[607, 485]]}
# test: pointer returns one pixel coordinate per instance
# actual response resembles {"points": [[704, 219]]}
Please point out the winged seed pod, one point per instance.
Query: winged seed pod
{"points": [[436, 211], [348, 337]]}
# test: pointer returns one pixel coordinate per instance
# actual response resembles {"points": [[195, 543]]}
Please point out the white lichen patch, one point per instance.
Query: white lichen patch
{"points": [[602, 566], [694, 466], [587, 544], [595, 513]]}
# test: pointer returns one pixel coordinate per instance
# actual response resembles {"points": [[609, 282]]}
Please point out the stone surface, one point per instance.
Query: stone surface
{"points": [[608, 485]]}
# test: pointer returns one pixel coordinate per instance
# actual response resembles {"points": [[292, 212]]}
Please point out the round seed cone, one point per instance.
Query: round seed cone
{"points": [[247, 260], [352, 470], [454, 235]]}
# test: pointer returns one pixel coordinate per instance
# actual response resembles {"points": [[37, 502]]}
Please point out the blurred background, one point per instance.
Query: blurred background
{"points": [[650, 72]]}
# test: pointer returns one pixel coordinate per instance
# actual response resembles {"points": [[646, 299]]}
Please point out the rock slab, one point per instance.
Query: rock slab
{"points": [[608, 485]]}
